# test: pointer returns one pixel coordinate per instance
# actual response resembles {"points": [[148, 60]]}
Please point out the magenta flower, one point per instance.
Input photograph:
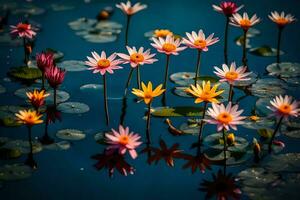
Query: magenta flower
{"points": [[44, 60], [102, 64], [228, 8], [137, 57], [225, 117], [22, 30], [55, 76], [123, 141]]}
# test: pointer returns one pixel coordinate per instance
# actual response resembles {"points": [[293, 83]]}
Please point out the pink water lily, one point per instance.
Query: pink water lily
{"points": [[168, 45], [102, 64], [22, 30], [137, 57], [225, 117], [130, 9], [55, 76], [44, 60], [228, 8], [232, 74], [123, 141], [284, 106], [199, 41]]}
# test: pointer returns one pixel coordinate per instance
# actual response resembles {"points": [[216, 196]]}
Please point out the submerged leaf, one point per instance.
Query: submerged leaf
{"points": [[73, 107], [264, 51], [70, 134]]}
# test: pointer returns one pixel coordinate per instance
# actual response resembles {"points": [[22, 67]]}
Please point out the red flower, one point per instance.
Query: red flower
{"points": [[55, 76], [44, 60], [227, 8]]}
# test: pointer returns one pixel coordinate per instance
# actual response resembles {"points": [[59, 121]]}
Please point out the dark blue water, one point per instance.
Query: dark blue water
{"points": [[70, 174]]}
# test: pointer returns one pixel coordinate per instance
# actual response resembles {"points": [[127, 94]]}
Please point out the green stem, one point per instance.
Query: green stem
{"points": [[244, 59], [166, 72], [226, 41], [278, 44], [105, 99], [25, 52], [148, 117], [224, 150], [197, 67], [201, 126], [127, 29], [128, 81], [230, 92], [274, 133], [54, 96], [138, 76], [43, 81], [29, 138]]}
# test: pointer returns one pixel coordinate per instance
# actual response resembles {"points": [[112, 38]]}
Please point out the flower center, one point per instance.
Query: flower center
{"points": [[231, 75], [137, 57], [245, 23], [23, 27], [285, 108], [103, 63], [148, 96], [200, 43], [124, 140], [224, 118], [281, 21], [168, 47], [206, 95]]}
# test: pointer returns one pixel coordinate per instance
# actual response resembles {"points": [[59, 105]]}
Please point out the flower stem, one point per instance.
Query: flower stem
{"points": [[29, 138], [43, 81], [138, 76], [127, 29], [274, 133], [244, 59], [128, 81], [54, 96], [148, 117], [230, 92], [166, 72], [25, 52], [105, 99], [224, 150], [123, 112], [201, 126], [226, 41], [197, 67], [278, 44]]}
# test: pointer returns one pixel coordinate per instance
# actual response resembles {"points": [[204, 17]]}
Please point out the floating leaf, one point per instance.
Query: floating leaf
{"points": [[183, 78], [25, 73], [285, 69], [6, 153], [57, 55], [24, 146], [58, 146], [91, 87], [268, 87], [70, 134], [108, 25], [216, 155], [7, 115], [82, 24], [240, 41], [179, 111], [61, 7], [73, 107], [2, 89], [289, 162], [264, 51], [100, 137], [29, 9], [253, 78], [261, 106], [14, 172], [259, 124], [186, 128], [73, 65], [257, 177], [291, 129]]}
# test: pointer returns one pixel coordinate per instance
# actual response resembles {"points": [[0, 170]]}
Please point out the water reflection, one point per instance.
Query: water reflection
{"points": [[30, 160]]}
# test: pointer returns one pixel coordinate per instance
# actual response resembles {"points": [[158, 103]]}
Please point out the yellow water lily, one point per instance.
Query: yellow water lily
{"points": [[147, 93], [205, 93], [29, 117]]}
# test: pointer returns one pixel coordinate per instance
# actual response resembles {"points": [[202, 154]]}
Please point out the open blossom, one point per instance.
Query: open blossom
{"points": [[198, 41], [162, 33], [284, 106], [137, 57], [37, 98], [55, 76], [102, 64], [244, 21], [281, 19], [205, 93], [167, 45], [147, 93], [228, 8], [22, 30], [232, 74], [225, 117], [123, 141], [44, 60], [129, 9], [29, 117]]}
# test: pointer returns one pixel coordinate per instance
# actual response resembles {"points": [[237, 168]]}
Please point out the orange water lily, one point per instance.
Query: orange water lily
{"points": [[205, 93], [37, 98], [29, 117]]}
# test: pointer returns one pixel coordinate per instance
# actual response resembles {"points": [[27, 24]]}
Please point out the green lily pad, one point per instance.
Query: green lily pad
{"points": [[261, 106], [3, 140], [2, 89], [14, 172], [188, 129], [240, 41], [29, 9], [285, 69], [70, 134], [293, 81], [82, 24], [257, 177], [25, 73], [57, 55], [91, 87], [264, 51], [24, 146], [268, 87], [253, 78], [214, 141], [289, 162], [179, 111], [291, 129], [216, 155], [101, 37], [6, 153], [58, 146], [100, 137], [73, 65], [259, 124], [7, 115], [183, 78], [265, 132], [61, 7], [73, 107], [102, 25]]}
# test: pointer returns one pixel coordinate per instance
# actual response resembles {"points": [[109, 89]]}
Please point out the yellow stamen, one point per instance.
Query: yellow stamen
{"points": [[281, 21], [162, 33], [245, 23], [168, 47], [137, 57], [231, 75], [200, 43], [103, 63], [285, 108], [224, 118], [124, 140]]}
